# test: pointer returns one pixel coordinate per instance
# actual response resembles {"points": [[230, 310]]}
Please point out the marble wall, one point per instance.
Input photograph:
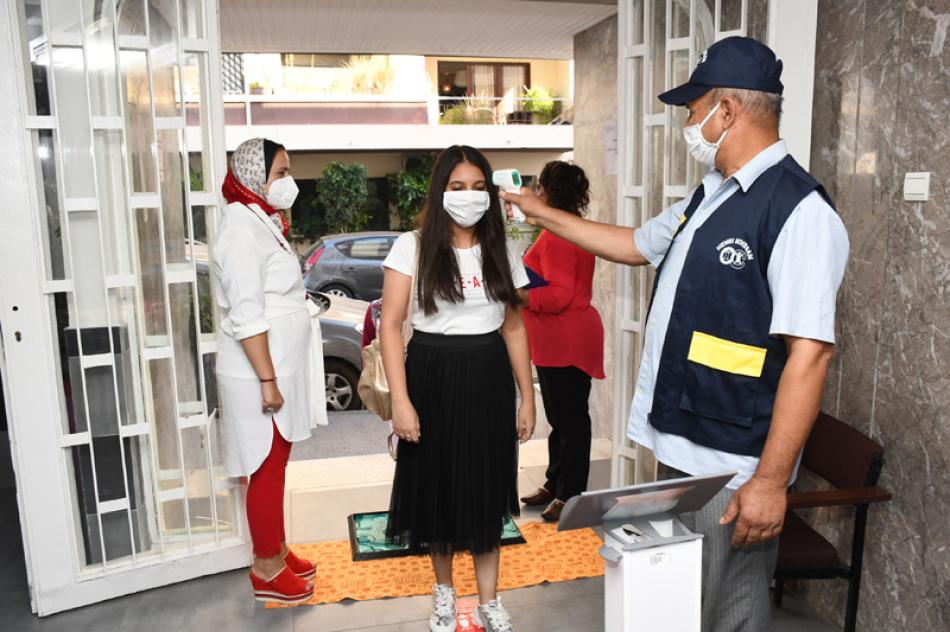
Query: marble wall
{"points": [[882, 95], [595, 104]]}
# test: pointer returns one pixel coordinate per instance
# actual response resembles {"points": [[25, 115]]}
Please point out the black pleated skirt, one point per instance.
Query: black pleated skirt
{"points": [[455, 489]]}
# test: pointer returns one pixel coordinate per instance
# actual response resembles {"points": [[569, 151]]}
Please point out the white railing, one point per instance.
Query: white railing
{"points": [[304, 109]]}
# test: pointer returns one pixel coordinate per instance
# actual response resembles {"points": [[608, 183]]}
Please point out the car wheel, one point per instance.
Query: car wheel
{"points": [[338, 290], [341, 382]]}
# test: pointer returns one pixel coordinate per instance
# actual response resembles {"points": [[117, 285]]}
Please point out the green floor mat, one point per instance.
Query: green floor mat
{"points": [[368, 537]]}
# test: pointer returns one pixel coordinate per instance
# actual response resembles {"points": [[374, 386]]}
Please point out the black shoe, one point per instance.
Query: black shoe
{"points": [[538, 498]]}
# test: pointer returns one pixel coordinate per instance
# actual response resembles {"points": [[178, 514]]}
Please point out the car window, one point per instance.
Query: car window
{"points": [[370, 248], [345, 247]]}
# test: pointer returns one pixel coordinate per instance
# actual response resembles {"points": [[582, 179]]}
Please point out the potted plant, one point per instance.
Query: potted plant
{"points": [[539, 101], [255, 87]]}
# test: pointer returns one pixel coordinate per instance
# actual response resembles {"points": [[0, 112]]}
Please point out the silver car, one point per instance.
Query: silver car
{"points": [[348, 265], [342, 325]]}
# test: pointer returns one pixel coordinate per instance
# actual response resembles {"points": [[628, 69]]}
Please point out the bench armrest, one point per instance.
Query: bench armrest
{"points": [[838, 497]]}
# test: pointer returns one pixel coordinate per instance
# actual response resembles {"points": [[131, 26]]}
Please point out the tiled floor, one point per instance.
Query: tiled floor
{"points": [[222, 602]]}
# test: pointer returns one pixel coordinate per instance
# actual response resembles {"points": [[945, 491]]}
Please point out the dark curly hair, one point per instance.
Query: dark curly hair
{"points": [[565, 186]]}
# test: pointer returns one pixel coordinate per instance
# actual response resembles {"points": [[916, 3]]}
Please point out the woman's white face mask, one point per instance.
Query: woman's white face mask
{"points": [[282, 192], [703, 151], [466, 207]]}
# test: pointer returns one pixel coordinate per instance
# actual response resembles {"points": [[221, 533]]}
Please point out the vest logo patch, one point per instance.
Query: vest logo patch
{"points": [[734, 252]]}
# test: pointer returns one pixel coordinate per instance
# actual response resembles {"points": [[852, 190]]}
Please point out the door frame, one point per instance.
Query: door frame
{"points": [[29, 369]]}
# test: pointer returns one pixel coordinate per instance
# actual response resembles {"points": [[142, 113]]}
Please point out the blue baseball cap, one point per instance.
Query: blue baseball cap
{"points": [[735, 62]]}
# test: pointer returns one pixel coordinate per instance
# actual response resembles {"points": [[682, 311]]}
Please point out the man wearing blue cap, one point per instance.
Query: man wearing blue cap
{"points": [[740, 330]]}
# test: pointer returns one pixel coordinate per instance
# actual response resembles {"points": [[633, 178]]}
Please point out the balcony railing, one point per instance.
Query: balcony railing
{"points": [[249, 109]]}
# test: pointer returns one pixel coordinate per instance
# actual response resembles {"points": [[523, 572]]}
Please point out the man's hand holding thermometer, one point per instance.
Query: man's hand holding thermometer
{"points": [[509, 181], [529, 207]]}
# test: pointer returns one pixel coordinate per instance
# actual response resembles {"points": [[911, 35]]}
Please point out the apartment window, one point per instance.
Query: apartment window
{"points": [[314, 60], [488, 80]]}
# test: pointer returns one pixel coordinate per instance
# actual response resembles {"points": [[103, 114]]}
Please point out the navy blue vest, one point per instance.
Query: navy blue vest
{"points": [[719, 369]]}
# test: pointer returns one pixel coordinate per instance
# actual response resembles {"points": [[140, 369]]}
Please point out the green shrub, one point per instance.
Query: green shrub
{"points": [[343, 194]]}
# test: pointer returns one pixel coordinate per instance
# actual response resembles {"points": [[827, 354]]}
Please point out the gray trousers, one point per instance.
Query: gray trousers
{"points": [[735, 581]]}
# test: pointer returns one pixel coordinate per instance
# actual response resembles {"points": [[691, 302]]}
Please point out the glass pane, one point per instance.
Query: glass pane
{"points": [[165, 424], [163, 45], [173, 196], [227, 501], [113, 201], [630, 292], [38, 51], [192, 19], [634, 366], [200, 496], [655, 192], [101, 397], [181, 297], [211, 387], [88, 280], [74, 417], [131, 17], [205, 295], [56, 255], [678, 153], [658, 53], [636, 23], [679, 24], [115, 531], [139, 480], [705, 33], [151, 274], [194, 76], [635, 116], [174, 525], [138, 120], [125, 344], [84, 495], [730, 15], [63, 16], [757, 19], [100, 54], [73, 118]]}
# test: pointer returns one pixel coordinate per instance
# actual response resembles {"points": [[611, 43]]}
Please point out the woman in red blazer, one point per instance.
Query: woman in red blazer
{"points": [[566, 337]]}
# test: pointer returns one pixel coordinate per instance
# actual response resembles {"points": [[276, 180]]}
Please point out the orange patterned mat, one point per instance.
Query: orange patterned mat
{"points": [[548, 556]]}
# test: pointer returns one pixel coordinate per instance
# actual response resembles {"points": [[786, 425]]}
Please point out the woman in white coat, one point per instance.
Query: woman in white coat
{"points": [[263, 366]]}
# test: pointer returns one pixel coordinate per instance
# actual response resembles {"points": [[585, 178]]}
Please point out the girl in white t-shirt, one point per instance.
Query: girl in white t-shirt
{"points": [[454, 407]]}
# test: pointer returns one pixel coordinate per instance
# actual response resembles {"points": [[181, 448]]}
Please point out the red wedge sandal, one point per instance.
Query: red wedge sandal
{"points": [[304, 569], [284, 588]]}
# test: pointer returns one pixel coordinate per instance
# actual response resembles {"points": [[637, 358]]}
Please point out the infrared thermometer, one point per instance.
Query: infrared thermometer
{"points": [[509, 180]]}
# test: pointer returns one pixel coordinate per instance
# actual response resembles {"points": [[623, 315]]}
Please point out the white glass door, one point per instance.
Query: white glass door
{"points": [[659, 42], [118, 442]]}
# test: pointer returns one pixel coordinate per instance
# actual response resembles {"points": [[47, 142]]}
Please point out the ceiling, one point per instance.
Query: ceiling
{"points": [[537, 29]]}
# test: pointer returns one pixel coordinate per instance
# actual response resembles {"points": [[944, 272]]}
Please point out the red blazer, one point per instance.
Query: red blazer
{"points": [[564, 329]]}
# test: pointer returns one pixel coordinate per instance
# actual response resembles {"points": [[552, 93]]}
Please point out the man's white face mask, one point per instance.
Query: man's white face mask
{"points": [[703, 151]]}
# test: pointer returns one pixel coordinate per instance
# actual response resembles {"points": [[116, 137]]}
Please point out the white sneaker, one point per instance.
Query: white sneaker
{"points": [[493, 617], [443, 609]]}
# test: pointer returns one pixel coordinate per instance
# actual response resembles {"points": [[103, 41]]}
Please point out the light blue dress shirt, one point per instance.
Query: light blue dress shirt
{"points": [[804, 273]]}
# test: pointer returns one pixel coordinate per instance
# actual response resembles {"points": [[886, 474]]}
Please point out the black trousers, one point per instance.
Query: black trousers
{"points": [[565, 391]]}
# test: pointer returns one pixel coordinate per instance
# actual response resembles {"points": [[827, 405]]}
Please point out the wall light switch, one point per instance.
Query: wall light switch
{"points": [[917, 186]]}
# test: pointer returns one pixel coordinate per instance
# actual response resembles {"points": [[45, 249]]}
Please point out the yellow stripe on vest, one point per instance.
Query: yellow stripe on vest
{"points": [[725, 355]]}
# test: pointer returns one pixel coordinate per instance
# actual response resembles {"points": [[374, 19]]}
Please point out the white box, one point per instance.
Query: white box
{"points": [[653, 562]]}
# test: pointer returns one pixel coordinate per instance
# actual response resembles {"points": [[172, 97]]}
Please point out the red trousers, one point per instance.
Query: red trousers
{"points": [[265, 499]]}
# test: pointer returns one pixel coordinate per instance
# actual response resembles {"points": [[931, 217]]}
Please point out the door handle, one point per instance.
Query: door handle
{"points": [[350, 268]]}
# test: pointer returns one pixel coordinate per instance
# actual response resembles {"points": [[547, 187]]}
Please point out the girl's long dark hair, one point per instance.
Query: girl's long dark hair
{"points": [[438, 274]]}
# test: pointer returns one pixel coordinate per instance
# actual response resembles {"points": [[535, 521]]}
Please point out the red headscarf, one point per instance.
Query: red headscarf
{"points": [[247, 185]]}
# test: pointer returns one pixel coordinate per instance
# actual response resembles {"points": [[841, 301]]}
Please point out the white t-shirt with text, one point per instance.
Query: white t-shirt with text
{"points": [[476, 314]]}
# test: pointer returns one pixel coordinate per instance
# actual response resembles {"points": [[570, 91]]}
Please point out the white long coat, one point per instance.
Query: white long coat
{"points": [[260, 288]]}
